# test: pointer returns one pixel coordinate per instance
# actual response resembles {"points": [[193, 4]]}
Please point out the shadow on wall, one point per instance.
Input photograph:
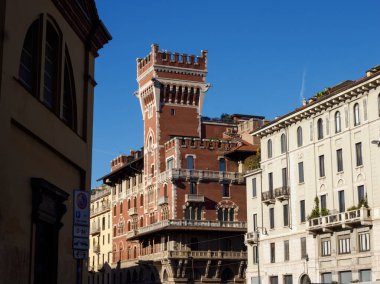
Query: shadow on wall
{"points": [[139, 273]]}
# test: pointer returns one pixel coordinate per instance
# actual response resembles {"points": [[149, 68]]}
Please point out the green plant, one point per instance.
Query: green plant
{"points": [[315, 213], [252, 162], [325, 212], [363, 202], [353, 207]]}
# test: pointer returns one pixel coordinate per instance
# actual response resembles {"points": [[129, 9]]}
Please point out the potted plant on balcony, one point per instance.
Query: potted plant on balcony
{"points": [[315, 213]]}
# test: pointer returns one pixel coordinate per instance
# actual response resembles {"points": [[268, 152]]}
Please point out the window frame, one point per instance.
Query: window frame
{"points": [[338, 122], [356, 110], [339, 160], [359, 154], [320, 129], [283, 143], [301, 176], [269, 149], [299, 137]]}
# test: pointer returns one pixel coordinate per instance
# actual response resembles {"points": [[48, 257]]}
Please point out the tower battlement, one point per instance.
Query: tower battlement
{"points": [[172, 59]]}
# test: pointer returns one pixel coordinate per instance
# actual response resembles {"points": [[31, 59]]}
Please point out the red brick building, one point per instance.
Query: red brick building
{"points": [[179, 205]]}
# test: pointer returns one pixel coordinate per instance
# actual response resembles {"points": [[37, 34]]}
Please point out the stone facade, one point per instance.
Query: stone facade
{"points": [[313, 206]]}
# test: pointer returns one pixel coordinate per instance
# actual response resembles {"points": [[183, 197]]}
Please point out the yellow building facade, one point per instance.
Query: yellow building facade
{"points": [[47, 55]]}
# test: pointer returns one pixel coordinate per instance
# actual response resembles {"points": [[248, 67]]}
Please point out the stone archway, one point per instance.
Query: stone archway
{"points": [[305, 279]]}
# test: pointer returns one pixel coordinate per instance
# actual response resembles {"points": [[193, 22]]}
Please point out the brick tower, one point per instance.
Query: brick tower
{"points": [[179, 206]]}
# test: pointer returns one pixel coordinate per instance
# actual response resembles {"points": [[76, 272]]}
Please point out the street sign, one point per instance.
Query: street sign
{"points": [[80, 231], [80, 244], [81, 208], [80, 254]]}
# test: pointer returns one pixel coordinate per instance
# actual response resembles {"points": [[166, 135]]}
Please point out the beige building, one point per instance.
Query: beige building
{"points": [[47, 55], [100, 250], [314, 204]]}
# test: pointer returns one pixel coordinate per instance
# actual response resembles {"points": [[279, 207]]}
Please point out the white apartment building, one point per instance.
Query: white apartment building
{"points": [[327, 151], [100, 251]]}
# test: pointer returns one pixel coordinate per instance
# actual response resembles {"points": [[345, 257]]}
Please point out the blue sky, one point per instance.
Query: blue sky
{"points": [[261, 53]]}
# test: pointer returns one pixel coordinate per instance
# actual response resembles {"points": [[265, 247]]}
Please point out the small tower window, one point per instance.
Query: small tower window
{"points": [[190, 162], [269, 148], [338, 123], [320, 128], [283, 143], [222, 165], [172, 111], [356, 114], [299, 136]]}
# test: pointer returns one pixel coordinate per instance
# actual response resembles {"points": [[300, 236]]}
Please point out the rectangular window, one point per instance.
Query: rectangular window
{"points": [[359, 156], [321, 166], [303, 248], [222, 165], [286, 250], [323, 201], [169, 164], [273, 279], [114, 210], [288, 279], [326, 277], [286, 214], [365, 275], [300, 173], [284, 177], [342, 206], [108, 238], [226, 190], [361, 196], [339, 160], [190, 162], [302, 211], [254, 189], [254, 222], [193, 188], [344, 244], [271, 217], [270, 182], [345, 277], [255, 254], [103, 223], [364, 242], [326, 247], [272, 253]]}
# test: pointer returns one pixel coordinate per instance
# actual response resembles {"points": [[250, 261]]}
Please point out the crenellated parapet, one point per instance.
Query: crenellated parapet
{"points": [[173, 62]]}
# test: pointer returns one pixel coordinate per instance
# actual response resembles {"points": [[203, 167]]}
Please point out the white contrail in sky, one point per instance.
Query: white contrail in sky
{"points": [[302, 91]]}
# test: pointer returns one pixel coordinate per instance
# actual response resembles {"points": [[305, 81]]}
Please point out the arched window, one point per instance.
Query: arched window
{"points": [[356, 114], [141, 199], [141, 221], [338, 122], [299, 136], [320, 128], [68, 101], [27, 72], [232, 215], [166, 190], [269, 148], [55, 85], [283, 143], [51, 67]]}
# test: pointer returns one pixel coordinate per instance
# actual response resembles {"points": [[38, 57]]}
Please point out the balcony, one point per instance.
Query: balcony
{"points": [[100, 193], [339, 221], [101, 209], [163, 200], [196, 255], [282, 193], [132, 211], [96, 248], [268, 197], [201, 225], [121, 196], [251, 238], [94, 229], [194, 198], [200, 175]]}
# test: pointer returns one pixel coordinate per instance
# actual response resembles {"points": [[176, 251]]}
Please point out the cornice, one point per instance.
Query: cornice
{"points": [[359, 88]]}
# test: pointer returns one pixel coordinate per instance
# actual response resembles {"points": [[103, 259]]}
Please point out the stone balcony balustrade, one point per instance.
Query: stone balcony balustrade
{"points": [[193, 224], [339, 221], [132, 211], [162, 200], [196, 255], [94, 229], [101, 209], [268, 197], [199, 175], [282, 193]]}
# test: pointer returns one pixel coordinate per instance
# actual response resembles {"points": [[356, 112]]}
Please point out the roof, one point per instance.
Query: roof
{"points": [[132, 167], [242, 151], [330, 93]]}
